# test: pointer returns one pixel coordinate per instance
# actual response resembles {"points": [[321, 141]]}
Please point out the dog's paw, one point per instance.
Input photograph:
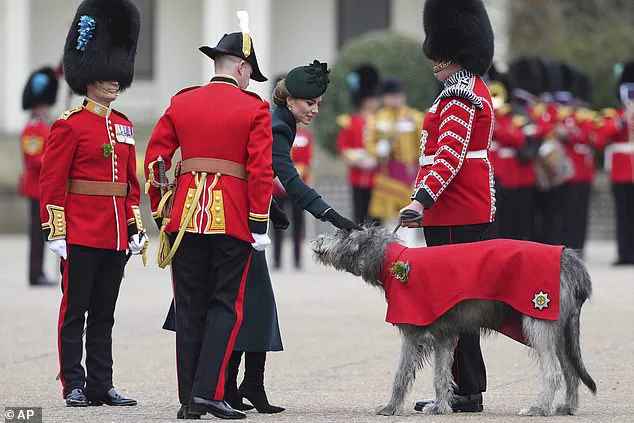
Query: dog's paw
{"points": [[565, 410], [437, 408], [388, 410], [534, 411]]}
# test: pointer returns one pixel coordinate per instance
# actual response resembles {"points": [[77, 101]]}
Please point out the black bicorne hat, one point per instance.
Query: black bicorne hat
{"points": [[101, 44], [363, 82], [308, 81], [458, 30], [234, 44], [40, 89]]}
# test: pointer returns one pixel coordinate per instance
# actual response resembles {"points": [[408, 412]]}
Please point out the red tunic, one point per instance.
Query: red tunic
{"points": [[75, 151], [301, 154], [613, 136], [498, 270], [33, 143], [219, 121], [579, 147], [455, 181], [508, 169], [351, 137]]}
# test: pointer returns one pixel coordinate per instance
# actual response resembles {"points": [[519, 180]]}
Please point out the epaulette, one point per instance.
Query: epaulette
{"points": [[519, 120], [539, 109], [563, 112], [609, 112], [344, 121], [184, 90], [504, 110], [70, 112], [116, 112], [459, 90], [252, 94]]}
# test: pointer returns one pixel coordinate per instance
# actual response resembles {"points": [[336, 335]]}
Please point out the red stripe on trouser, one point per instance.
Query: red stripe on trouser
{"points": [[220, 388], [60, 322], [455, 354], [174, 299]]}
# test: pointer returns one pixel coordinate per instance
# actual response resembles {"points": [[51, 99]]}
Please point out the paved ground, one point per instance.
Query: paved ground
{"points": [[339, 358]]}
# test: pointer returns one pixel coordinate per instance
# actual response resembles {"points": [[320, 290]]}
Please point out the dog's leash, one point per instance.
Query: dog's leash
{"points": [[409, 216]]}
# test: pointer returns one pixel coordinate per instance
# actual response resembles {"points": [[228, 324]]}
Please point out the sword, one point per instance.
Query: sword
{"points": [[160, 164]]}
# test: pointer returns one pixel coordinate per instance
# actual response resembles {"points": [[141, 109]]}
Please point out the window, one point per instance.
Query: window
{"points": [[144, 62], [359, 16]]}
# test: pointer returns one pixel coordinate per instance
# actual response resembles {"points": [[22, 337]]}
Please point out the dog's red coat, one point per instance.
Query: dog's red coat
{"points": [[513, 272]]}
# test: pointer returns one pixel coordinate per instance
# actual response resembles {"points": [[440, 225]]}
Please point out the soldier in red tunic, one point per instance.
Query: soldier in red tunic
{"points": [[454, 187], [219, 214], [363, 82], [38, 96], [616, 135], [90, 195]]}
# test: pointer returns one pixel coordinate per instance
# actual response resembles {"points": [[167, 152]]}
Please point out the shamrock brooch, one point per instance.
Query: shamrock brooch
{"points": [[108, 149], [400, 271]]}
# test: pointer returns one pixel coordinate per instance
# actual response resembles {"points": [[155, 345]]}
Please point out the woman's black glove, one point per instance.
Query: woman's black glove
{"points": [[339, 221], [278, 217]]}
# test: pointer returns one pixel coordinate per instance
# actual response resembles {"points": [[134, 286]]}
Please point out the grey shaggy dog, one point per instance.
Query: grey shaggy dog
{"points": [[556, 343]]}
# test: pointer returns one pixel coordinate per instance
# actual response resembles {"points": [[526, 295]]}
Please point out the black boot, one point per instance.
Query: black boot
{"points": [[252, 387], [231, 383]]}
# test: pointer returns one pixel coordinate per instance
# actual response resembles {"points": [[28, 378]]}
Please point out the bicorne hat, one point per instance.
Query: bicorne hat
{"points": [[101, 44], [40, 89], [458, 30]]}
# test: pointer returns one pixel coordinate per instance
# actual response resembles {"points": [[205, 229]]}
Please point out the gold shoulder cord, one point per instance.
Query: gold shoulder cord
{"points": [[165, 252]]}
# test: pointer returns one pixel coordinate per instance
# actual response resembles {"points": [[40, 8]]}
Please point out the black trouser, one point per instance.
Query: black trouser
{"points": [[297, 216], [361, 202], [577, 196], [468, 366], [624, 199], [548, 208], [209, 274], [90, 280], [515, 213], [36, 247]]}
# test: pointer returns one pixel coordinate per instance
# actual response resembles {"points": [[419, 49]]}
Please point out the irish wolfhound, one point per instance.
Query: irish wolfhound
{"points": [[556, 342]]}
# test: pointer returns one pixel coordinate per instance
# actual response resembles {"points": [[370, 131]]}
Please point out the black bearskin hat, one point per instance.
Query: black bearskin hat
{"points": [[363, 83], [458, 30], [627, 76], [529, 74], [101, 44], [40, 89], [583, 87]]}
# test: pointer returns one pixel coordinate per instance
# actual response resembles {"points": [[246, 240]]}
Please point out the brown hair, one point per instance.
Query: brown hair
{"points": [[280, 93]]}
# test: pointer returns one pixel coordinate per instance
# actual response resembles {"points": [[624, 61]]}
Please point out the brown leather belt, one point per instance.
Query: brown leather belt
{"points": [[211, 166], [102, 188]]}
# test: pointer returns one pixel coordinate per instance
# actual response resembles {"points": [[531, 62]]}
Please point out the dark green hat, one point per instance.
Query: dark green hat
{"points": [[308, 81]]}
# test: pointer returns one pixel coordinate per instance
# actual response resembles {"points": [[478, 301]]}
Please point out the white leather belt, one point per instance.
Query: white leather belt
{"points": [[582, 149], [507, 152], [617, 147], [476, 154]]}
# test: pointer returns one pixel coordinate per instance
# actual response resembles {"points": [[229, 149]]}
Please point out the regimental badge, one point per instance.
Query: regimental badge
{"points": [[400, 271], [32, 145], [124, 134], [541, 300]]}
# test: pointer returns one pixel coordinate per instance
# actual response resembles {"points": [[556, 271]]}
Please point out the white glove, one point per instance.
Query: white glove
{"points": [[136, 244], [383, 148], [261, 241], [367, 162], [58, 246]]}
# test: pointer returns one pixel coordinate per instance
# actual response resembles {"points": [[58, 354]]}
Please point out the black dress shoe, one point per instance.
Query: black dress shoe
{"points": [[257, 396], [76, 398], [218, 409], [460, 404], [184, 414], [623, 262], [42, 281], [112, 397]]}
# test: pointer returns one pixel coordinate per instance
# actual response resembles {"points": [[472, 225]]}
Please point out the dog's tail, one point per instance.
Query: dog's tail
{"points": [[573, 351]]}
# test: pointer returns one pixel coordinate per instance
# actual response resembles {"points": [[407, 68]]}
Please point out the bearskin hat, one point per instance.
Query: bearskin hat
{"points": [[583, 87], [101, 44], [458, 30], [627, 76], [529, 74], [40, 89], [363, 83]]}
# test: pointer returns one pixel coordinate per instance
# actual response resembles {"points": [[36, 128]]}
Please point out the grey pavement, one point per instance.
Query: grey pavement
{"points": [[339, 353]]}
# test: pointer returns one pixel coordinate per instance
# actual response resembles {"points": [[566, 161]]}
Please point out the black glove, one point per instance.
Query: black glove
{"points": [[339, 221], [278, 217]]}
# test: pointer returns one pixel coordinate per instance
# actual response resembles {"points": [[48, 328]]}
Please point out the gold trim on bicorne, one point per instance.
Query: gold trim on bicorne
{"points": [[96, 108], [192, 226], [215, 213], [246, 44], [258, 217], [56, 222]]}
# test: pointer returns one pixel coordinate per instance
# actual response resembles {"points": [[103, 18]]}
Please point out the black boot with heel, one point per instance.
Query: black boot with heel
{"points": [[252, 387], [231, 383]]}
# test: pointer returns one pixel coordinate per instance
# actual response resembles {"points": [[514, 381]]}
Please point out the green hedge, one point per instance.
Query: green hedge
{"points": [[395, 55]]}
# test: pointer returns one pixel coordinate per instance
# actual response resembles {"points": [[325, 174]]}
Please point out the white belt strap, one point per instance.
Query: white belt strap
{"points": [[617, 147], [582, 149], [477, 154], [507, 152]]}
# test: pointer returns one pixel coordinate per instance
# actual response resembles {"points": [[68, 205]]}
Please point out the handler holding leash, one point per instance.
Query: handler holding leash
{"points": [[455, 187]]}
